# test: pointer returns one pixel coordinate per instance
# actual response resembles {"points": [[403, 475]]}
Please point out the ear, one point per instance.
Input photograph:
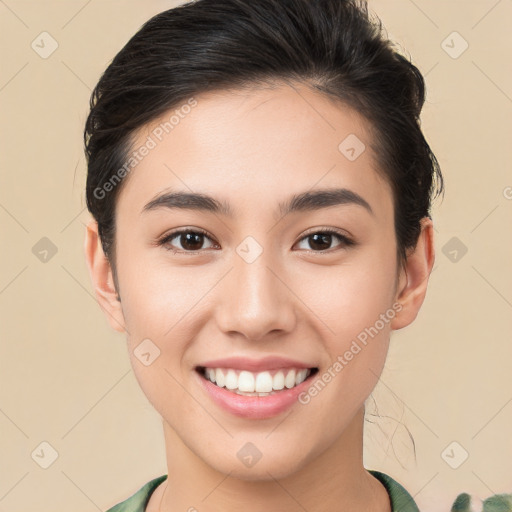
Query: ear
{"points": [[102, 278], [413, 279]]}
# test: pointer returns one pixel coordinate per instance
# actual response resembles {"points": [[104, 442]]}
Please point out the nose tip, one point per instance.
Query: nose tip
{"points": [[255, 302]]}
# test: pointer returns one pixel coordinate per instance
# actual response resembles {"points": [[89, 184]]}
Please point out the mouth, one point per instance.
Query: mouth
{"points": [[256, 384]]}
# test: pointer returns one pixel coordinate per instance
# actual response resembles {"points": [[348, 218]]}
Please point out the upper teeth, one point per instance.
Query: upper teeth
{"points": [[262, 382]]}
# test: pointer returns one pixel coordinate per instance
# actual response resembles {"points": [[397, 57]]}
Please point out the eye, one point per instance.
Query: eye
{"points": [[190, 240], [321, 240]]}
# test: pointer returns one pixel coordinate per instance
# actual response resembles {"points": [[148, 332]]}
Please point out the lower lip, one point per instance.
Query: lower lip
{"points": [[253, 407]]}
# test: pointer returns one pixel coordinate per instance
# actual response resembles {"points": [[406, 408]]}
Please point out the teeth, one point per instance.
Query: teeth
{"points": [[289, 380], [278, 381], [245, 381], [219, 378], [256, 384], [301, 376], [231, 380], [263, 382]]}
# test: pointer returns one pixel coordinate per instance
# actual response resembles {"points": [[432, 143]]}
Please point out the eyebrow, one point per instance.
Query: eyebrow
{"points": [[305, 201]]}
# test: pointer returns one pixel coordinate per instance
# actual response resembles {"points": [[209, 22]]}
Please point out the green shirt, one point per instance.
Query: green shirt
{"points": [[401, 500]]}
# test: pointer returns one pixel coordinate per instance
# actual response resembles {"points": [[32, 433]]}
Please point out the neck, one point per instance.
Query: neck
{"points": [[333, 480]]}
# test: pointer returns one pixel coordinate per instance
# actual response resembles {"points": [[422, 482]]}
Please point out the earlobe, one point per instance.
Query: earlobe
{"points": [[414, 277], [102, 278]]}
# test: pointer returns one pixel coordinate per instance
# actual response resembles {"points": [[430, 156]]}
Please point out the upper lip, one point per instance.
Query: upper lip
{"points": [[254, 365]]}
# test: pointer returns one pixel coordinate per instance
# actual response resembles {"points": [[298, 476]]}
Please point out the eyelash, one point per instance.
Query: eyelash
{"points": [[344, 240]]}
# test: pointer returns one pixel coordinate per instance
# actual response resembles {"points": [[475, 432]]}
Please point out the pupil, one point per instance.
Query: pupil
{"points": [[326, 238], [188, 239]]}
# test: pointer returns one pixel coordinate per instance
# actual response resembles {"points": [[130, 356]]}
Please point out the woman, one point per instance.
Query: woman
{"points": [[261, 190]]}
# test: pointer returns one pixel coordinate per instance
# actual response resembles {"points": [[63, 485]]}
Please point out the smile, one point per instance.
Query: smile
{"points": [[263, 383]]}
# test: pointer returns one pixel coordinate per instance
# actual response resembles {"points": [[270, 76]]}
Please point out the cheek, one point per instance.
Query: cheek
{"points": [[163, 308], [160, 316], [351, 298], [357, 311], [159, 298]]}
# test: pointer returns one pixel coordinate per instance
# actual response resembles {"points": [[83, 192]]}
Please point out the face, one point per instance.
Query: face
{"points": [[272, 283]]}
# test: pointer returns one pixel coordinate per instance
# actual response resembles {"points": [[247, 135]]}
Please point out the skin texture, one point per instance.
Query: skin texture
{"points": [[254, 149]]}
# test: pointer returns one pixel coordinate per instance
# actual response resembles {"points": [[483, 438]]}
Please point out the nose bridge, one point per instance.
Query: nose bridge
{"points": [[255, 302]]}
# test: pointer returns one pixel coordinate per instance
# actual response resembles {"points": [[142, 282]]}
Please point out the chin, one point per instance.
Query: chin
{"points": [[276, 465]]}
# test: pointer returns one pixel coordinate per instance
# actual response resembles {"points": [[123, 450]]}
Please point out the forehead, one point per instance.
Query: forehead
{"points": [[254, 148]]}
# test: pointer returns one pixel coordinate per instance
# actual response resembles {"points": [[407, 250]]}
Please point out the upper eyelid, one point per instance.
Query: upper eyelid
{"points": [[332, 231], [344, 238]]}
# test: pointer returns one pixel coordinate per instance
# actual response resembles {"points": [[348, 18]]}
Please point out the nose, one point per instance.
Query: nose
{"points": [[255, 300]]}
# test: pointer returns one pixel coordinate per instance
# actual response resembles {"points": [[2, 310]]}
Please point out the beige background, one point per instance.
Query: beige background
{"points": [[65, 375]]}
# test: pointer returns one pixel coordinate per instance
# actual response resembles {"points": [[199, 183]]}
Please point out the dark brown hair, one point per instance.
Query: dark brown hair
{"points": [[334, 46]]}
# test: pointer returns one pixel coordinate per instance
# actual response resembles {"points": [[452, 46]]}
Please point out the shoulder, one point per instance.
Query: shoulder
{"points": [[400, 499], [138, 501]]}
